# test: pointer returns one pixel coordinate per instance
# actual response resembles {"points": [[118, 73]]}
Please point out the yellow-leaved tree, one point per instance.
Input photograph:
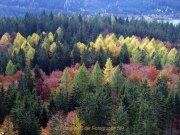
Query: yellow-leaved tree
{"points": [[108, 71], [163, 53], [29, 56], [52, 49], [51, 36], [150, 48], [99, 43], [46, 43], [133, 45], [30, 40], [144, 43], [35, 38], [82, 47], [19, 40], [6, 39], [7, 127], [172, 56], [113, 49], [77, 126], [25, 46], [59, 31]]}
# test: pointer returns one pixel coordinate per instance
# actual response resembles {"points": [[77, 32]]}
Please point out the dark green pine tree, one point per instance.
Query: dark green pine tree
{"points": [[9, 98], [140, 56], [95, 109], [129, 99], [160, 103], [101, 57], [76, 56], [157, 61], [43, 116], [117, 84], [19, 60], [177, 61], [37, 72], [2, 104], [56, 62], [26, 113], [146, 120], [75, 99], [97, 76], [61, 101], [3, 61], [122, 121], [171, 110], [52, 106], [124, 55], [41, 58], [177, 97], [66, 56], [88, 57], [26, 83]]}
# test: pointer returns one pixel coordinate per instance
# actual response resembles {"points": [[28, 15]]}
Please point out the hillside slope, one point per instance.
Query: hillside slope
{"points": [[19, 7]]}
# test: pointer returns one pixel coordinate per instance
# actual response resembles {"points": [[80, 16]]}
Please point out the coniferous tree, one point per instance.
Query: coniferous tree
{"points": [[66, 59], [10, 68], [43, 117], [2, 104], [3, 61], [76, 58], [26, 83], [146, 120], [25, 114], [171, 110], [108, 71], [157, 61], [42, 60], [177, 61], [116, 84], [75, 98], [61, 101], [88, 57], [19, 60], [124, 55], [37, 72], [56, 61], [9, 98], [67, 83], [177, 98], [160, 103], [172, 56], [98, 111], [97, 76], [81, 79], [8, 127], [101, 57], [129, 100], [122, 121]]}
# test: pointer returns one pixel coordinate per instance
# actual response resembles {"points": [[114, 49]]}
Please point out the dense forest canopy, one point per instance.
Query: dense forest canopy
{"points": [[77, 75], [85, 29]]}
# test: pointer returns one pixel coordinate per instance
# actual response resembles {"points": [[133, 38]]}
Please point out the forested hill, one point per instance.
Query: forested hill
{"points": [[162, 7]]}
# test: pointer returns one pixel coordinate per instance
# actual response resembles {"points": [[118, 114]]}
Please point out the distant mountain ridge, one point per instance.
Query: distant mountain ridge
{"points": [[137, 7]]}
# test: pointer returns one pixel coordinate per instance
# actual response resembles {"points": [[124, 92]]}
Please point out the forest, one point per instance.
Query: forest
{"points": [[95, 75]]}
